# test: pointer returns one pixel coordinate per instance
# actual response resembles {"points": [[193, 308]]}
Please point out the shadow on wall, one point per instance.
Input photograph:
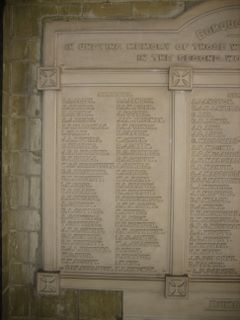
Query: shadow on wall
{"points": [[2, 3]]}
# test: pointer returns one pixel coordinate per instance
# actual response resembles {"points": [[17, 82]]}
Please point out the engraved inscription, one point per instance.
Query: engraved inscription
{"points": [[214, 220], [224, 304], [209, 42], [115, 179]]}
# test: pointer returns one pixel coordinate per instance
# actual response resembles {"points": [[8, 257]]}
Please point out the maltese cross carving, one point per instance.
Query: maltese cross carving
{"points": [[180, 78], [48, 283], [48, 78], [176, 287]]}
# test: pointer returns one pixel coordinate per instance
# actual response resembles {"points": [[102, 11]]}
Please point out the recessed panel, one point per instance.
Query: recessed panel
{"points": [[214, 183], [114, 181]]}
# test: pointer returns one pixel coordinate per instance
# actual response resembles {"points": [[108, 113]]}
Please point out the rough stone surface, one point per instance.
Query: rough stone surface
{"points": [[100, 305], [157, 9], [107, 10], [19, 297]]}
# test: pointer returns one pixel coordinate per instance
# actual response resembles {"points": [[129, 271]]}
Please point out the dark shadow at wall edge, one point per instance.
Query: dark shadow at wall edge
{"points": [[2, 3]]}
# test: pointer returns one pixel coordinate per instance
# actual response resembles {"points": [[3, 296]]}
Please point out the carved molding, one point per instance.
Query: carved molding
{"points": [[180, 78], [48, 78], [48, 283], [176, 287]]}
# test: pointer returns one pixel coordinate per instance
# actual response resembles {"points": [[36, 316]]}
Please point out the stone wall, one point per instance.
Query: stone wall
{"points": [[22, 114]]}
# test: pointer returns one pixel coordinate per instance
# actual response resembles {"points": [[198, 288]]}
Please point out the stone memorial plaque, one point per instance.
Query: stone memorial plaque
{"points": [[141, 160]]}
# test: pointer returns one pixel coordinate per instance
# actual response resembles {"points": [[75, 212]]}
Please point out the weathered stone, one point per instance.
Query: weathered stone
{"points": [[6, 164], [35, 192], [6, 77], [100, 305], [7, 32], [157, 9], [5, 104], [22, 49], [69, 305], [5, 304], [18, 106], [18, 246], [73, 9], [34, 253], [5, 250], [35, 134], [19, 301], [19, 186], [45, 306], [19, 77], [19, 49], [5, 278], [5, 133], [28, 220], [69, 1], [6, 192], [19, 138], [32, 15], [19, 273], [107, 10], [25, 162], [33, 106], [35, 50], [5, 228], [32, 79]]}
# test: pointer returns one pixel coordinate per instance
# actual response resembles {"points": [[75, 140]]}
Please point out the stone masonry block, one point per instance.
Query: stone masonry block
{"points": [[28, 49], [35, 134], [5, 304], [45, 306], [6, 192], [5, 278], [6, 77], [33, 106], [69, 310], [19, 196], [34, 247], [63, 306], [19, 49], [5, 133], [31, 14], [19, 134], [100, 305], [5, 104], [107, 10], [27, 220], [19, 74], [70, 9], [18, 246], [25, 163], [7, 32], [35, 192], [19, 273], [5, 250], [19, 301], [5, 228], [157, 9], [18, 106]]}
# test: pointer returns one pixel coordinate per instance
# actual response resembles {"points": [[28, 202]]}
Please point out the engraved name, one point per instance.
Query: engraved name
{"points": [[222, 305]]}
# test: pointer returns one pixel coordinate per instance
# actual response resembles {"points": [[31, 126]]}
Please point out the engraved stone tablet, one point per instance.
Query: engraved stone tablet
{"points": [[114, 180], [141, 161]]}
